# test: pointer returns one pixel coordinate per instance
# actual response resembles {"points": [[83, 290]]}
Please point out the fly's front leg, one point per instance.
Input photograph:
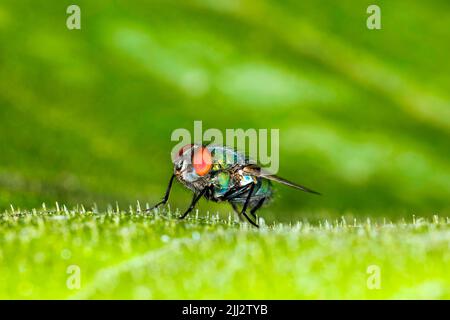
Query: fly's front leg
{"points": [[166, 196], [195, 199]]}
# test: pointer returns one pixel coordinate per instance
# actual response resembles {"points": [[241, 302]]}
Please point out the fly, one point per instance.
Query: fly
{"points": [[219, 174]]}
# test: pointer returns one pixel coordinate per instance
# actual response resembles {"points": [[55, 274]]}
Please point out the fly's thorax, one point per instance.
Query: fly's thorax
{"points": [[222, 182], [224, 158]]}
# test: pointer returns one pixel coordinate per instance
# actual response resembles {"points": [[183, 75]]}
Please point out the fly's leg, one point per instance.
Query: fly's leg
{"points": [[236, 210], [195, 199], [255, 208], [244, 209], [166, 196]]}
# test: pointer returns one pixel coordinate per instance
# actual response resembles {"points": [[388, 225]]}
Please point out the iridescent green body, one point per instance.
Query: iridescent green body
{"points": [[225, 182], [229, 182]]}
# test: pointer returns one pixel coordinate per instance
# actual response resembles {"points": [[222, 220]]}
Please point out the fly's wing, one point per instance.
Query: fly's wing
{"points": [[254, 170]]}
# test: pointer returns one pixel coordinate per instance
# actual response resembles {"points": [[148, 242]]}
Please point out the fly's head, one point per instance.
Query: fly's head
{"points": [[192, 164]]}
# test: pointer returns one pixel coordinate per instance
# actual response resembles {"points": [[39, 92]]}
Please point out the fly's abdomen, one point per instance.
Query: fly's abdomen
{"points": [[225, 158], [262, 189]]}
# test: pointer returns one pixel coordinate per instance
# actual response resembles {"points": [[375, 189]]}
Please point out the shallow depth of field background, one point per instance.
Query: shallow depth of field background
{"points": [[364, 116], [86, 118]]}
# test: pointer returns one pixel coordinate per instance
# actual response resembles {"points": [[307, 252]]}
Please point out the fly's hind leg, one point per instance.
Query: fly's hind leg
{"points": [[247, 201], [256, 207]]}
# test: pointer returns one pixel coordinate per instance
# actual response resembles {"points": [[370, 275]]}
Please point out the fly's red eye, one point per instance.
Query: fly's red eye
{"points": [[202, 161], [184, 149]]}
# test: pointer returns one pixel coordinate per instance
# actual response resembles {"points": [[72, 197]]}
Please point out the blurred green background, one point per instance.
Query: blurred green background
{"points": [[364, 115]]}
